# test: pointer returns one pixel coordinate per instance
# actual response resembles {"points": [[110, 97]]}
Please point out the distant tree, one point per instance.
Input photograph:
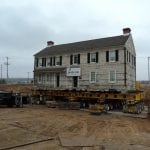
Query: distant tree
{"points": [[2, 81]]}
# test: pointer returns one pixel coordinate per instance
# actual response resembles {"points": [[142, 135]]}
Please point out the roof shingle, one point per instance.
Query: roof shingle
{"points": [[83, 46]]}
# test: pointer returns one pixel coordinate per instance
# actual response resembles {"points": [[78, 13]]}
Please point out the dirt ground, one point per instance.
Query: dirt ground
{"points": [[42, 128]]}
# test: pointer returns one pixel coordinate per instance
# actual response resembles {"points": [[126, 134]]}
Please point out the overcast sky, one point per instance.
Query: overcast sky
{"points": [[26, 26]]}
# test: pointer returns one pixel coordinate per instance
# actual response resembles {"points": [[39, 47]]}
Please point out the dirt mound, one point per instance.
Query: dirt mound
{"points": [[17, 88]]}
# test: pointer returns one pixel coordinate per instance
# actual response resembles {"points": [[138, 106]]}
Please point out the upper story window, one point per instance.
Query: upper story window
{"points": [[43, 62], [55, 61], [134, 61], [129, 57], [59, 61], [92, 57], [112, 56], [75, 59]]}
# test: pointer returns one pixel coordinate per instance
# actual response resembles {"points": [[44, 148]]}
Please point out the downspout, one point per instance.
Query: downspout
{"points": [[125, 67]]}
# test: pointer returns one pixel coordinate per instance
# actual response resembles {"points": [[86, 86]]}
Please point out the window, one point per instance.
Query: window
{"points": [[127, 56], [49, 61], [134, 61], [112, 56], [93, 77], [44, 62], [112, 76], [47, 77], [59, 61], [92, 57], [75, 59]]}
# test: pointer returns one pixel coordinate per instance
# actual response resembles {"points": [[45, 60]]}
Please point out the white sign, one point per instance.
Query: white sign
{"points": [[73, 72]]}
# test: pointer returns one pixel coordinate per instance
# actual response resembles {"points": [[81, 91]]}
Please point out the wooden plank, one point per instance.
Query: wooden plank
{"points": [[74, 140]]}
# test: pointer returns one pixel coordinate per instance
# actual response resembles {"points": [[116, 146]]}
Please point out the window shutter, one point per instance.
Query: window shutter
{"points": [[60, 60], [53, 61], [107, 56], [50, 61], [96, 57], [78, 58], [88, 57], [36, 62], [117, 56], [71, 59], [45, 62], [42, 62]]}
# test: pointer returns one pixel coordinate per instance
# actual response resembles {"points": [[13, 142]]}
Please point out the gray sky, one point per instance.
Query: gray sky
{"points": [[26, 26]]}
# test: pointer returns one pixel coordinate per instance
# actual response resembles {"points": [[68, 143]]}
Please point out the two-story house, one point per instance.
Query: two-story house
{"points": [[99, 64]]}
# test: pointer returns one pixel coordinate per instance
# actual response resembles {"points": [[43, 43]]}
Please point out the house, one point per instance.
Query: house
{"points": [[99, 64]]}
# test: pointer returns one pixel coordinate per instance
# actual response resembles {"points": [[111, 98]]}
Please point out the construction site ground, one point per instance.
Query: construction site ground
{"points": [[40, 128]]}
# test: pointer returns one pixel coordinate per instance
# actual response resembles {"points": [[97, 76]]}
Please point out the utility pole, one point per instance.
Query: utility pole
{"points": [[7, 64], [148, 69], [1, 71], [28, 76]]}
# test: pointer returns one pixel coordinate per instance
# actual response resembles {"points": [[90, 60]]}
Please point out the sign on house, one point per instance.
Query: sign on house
{"points": [[73, 72]]}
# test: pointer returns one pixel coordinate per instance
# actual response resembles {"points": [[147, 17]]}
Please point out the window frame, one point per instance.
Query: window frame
{"points": [[57, 61], [112, 81], [91, 54], [93, 81], [47, 77], [75, 58], [110, 56]]}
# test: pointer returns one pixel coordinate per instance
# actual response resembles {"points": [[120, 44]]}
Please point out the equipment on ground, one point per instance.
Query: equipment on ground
{"points": [[94, 101], [10, 99]]}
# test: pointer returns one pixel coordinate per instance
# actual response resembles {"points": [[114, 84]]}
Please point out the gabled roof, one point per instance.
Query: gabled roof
{"points": [[83, 46]]}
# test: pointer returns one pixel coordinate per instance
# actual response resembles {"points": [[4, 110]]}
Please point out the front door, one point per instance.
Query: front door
{"points": [[75, 81], [57, 80]]}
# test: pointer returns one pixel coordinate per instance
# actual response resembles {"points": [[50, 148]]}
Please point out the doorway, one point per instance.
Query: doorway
{"points": [[75, 81], [57, 79]]}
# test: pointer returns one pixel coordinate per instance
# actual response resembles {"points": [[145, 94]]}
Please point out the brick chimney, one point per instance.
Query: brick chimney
{"points": [[126, 31], [50, 43]]}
